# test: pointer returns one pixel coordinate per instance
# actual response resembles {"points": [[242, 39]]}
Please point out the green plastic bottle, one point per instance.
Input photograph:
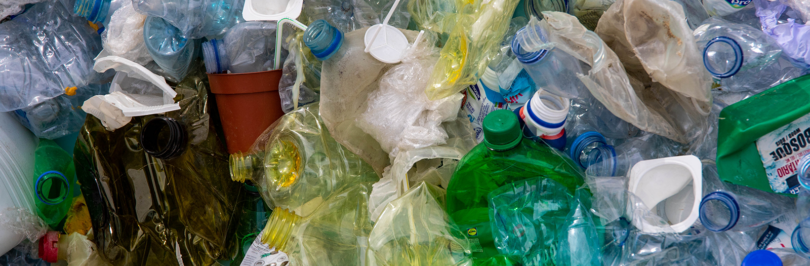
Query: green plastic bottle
{"points": [[54, 178], [503, 157]]}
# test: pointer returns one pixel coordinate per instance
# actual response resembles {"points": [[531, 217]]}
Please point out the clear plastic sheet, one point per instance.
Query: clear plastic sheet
{"points": [[42, 52], [124, 35], [347, 79], [414, 229], [399, 114], [13, 7], [24, 222], [251, 46], [656, 110]]}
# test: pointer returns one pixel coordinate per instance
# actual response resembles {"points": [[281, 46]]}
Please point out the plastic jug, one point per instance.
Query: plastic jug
{"points": [[246, 47], [170, 50], [504, 156], [17, 146], [296, 164], [334, 233], [54, 178]]}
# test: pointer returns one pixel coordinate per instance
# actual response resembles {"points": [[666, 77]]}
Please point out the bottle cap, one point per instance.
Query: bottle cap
{"points": [[501, 130], [762, 258], [49, 247]]}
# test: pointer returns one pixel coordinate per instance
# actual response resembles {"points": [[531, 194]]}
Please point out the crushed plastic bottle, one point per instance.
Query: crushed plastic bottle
{"points": [[170, 50], [246, 47], [194, 19]]}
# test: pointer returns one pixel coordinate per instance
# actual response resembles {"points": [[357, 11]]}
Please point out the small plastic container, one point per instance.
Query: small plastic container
{"points": [[553, 70], [670, 187]]}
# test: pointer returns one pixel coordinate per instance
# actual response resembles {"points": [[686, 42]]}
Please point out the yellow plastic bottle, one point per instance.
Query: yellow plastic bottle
{"points": [[296, 163], [334, 234]]}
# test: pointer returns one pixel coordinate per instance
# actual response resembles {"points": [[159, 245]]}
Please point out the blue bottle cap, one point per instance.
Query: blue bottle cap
{"points": [[761, 258]]}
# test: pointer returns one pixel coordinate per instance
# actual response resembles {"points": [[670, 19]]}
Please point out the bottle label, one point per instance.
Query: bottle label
{"points": [[477, 106], [738, 3], [774, 238], [781, 151], [261, 254]]}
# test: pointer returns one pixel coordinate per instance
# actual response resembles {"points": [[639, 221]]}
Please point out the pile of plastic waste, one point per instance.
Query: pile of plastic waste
{"points": [[405, 132]]}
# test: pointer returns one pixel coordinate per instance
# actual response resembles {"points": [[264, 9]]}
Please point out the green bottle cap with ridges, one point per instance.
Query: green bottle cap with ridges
{"points": [[501, 130]]}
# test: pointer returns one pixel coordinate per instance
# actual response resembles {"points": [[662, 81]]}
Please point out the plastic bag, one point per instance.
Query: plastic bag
{"points": [[43, 51], [124, 36], [666, 50], [146, 210], [473, 42], [399, 114], [416, 224], [301, 72], [13, 7], [346, 15], [791, 36], [435, 15], [347, 79], [608, 82]]}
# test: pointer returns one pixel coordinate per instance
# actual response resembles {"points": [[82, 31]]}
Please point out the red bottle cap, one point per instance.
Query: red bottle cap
{"points": [[49, 247]]}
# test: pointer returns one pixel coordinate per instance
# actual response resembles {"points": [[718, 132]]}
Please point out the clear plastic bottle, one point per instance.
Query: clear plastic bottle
{"points": [[503, 157], [54, 178], [323, 39], [334, 234], [59, 116], [97, 11], [297, 164], [551, 69], [170, 50], [741, 208], [194, 19], [740, 57], [246, 47]]}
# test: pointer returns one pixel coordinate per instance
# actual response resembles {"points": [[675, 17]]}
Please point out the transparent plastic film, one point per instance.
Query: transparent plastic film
{"points": [[414, 229], [473, 42], [301, 73], [296, 164], [123, 36]]}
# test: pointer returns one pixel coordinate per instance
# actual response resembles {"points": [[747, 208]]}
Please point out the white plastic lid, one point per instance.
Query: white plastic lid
{"points": [[390, 44], [266, 10], [675, 182]]}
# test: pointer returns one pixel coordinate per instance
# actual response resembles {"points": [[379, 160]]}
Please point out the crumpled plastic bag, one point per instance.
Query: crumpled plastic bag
{"points": [[301, 73], [146, 210], [124, 36], [417, 225], [346, 83], [654, 42], [791, 36], [399, 115], [608, 82]]}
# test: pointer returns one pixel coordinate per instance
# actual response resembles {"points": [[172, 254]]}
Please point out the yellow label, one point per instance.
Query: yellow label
{"points": [[472, 232]]}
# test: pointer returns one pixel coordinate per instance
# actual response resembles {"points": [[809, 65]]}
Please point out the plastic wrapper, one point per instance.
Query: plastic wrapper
{"points": [[59, 116], [146, 210], [791, 36], [347, 80], [415, 230], [472, 43], [42, 52], [296, 163], [124, 35], [399, 115], [301, 73], [436, 15], [23, 222], [656, 110], [589, 11], [541, 223]]}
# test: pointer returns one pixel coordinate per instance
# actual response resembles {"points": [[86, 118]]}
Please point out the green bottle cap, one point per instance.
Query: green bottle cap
{"points": [[501, 130]]}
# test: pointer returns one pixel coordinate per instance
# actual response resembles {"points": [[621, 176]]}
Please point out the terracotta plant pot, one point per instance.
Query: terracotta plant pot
{"points": [[248, 103]]}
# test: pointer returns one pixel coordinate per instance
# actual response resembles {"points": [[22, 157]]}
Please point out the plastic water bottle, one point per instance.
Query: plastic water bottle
{"points": [[60, 116], [54, 178], [740, 57], [170, 50], [323, 39], [247, 47], [741, 208], [194, 19], [551, 69], [97, 11]]}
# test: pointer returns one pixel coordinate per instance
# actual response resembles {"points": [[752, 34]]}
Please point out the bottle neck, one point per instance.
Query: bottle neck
{"points": [[163, 137], [719, 211], [280, 227], [242, 167]]}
